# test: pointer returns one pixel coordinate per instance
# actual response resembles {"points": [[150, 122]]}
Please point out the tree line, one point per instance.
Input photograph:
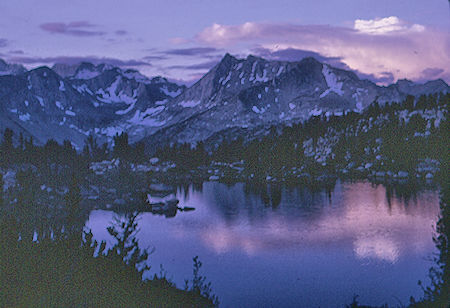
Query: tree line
{"points": [[380, 135]]}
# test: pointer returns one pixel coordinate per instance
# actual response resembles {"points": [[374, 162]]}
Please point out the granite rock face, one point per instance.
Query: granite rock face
{"points": [[238, 97]]}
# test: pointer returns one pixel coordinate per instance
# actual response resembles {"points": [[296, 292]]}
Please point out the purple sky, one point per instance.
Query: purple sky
{"points": [[383, 40]]}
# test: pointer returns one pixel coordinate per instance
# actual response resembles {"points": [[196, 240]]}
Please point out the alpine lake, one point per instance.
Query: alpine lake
{"points": [[273, 245]]}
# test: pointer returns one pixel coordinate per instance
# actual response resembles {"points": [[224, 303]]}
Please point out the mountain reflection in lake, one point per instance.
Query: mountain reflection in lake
{"points": [[281, 247]]}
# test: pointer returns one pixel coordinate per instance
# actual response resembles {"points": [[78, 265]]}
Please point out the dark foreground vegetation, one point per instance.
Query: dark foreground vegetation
{"points": [[437, 294], [54, 263]]}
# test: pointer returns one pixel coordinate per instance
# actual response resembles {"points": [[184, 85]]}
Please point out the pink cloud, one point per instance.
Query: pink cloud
{"points": [[372, 47], [75, 28]]}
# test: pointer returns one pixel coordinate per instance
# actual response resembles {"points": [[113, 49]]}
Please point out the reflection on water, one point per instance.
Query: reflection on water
{"points": [[276, 246]]}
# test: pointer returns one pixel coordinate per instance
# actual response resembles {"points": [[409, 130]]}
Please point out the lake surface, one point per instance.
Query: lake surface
{"points": [[293, 247]]}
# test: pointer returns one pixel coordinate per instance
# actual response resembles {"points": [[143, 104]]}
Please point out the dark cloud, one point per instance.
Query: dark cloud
{"points": [[203, 52], [385, 78], [76, 60], [200, 66], [16, 52], [195, 51], [75, 28], [292, 55], [3, 42], [121, 32], [432, 73], [151, 58]]}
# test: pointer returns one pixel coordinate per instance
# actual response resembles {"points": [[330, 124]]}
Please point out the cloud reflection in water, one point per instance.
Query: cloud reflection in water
{"points": [[358, 216]]}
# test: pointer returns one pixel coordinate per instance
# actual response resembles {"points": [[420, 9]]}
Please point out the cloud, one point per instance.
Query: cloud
{"points": [[385, 25], [77, 60], [151, 58], [194, 51], [200, 66], [292, 55], [3, 42], [384, 78], [430, 73], [16, 52], [372, 47], [75, 28], [178, 40], [121, 32]]}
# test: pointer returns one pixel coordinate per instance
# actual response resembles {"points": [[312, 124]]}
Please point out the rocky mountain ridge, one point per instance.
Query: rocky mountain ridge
{"points": [[236, 97]]}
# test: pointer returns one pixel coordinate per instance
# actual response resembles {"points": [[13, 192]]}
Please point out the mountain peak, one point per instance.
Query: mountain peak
{"points": [[2, 63], [65, 70], [11, 69], [159, 79], [404, 81], [86, 65], [227, 60], [43, 70], [226, 63], [310, 60], [253, 58], [228, 57]]}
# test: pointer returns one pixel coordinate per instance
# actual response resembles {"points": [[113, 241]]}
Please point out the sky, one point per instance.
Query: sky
{"points": [[381, 40]]}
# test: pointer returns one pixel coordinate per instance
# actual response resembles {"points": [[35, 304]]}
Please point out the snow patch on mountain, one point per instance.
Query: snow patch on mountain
{"points": [[125, 111], [358, 96], [139, 119], [111, 96], [262, 78], [41, 100], [166, 91], [163, 102], [153, 111], [25, 117], [84, 132], [83, 88], [257, 110], [189, 104], [315, 112], [332, 81], [61, 86], [86, 74], [280, 70], [145, 118]]}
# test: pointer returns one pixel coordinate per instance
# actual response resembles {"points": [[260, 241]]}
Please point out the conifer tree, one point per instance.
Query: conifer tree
{"points": [[73, 197], [1, 190], [121, 147]]}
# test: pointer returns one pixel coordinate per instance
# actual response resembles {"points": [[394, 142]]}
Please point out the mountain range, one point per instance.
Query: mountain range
{"points": [[237, 97]]}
